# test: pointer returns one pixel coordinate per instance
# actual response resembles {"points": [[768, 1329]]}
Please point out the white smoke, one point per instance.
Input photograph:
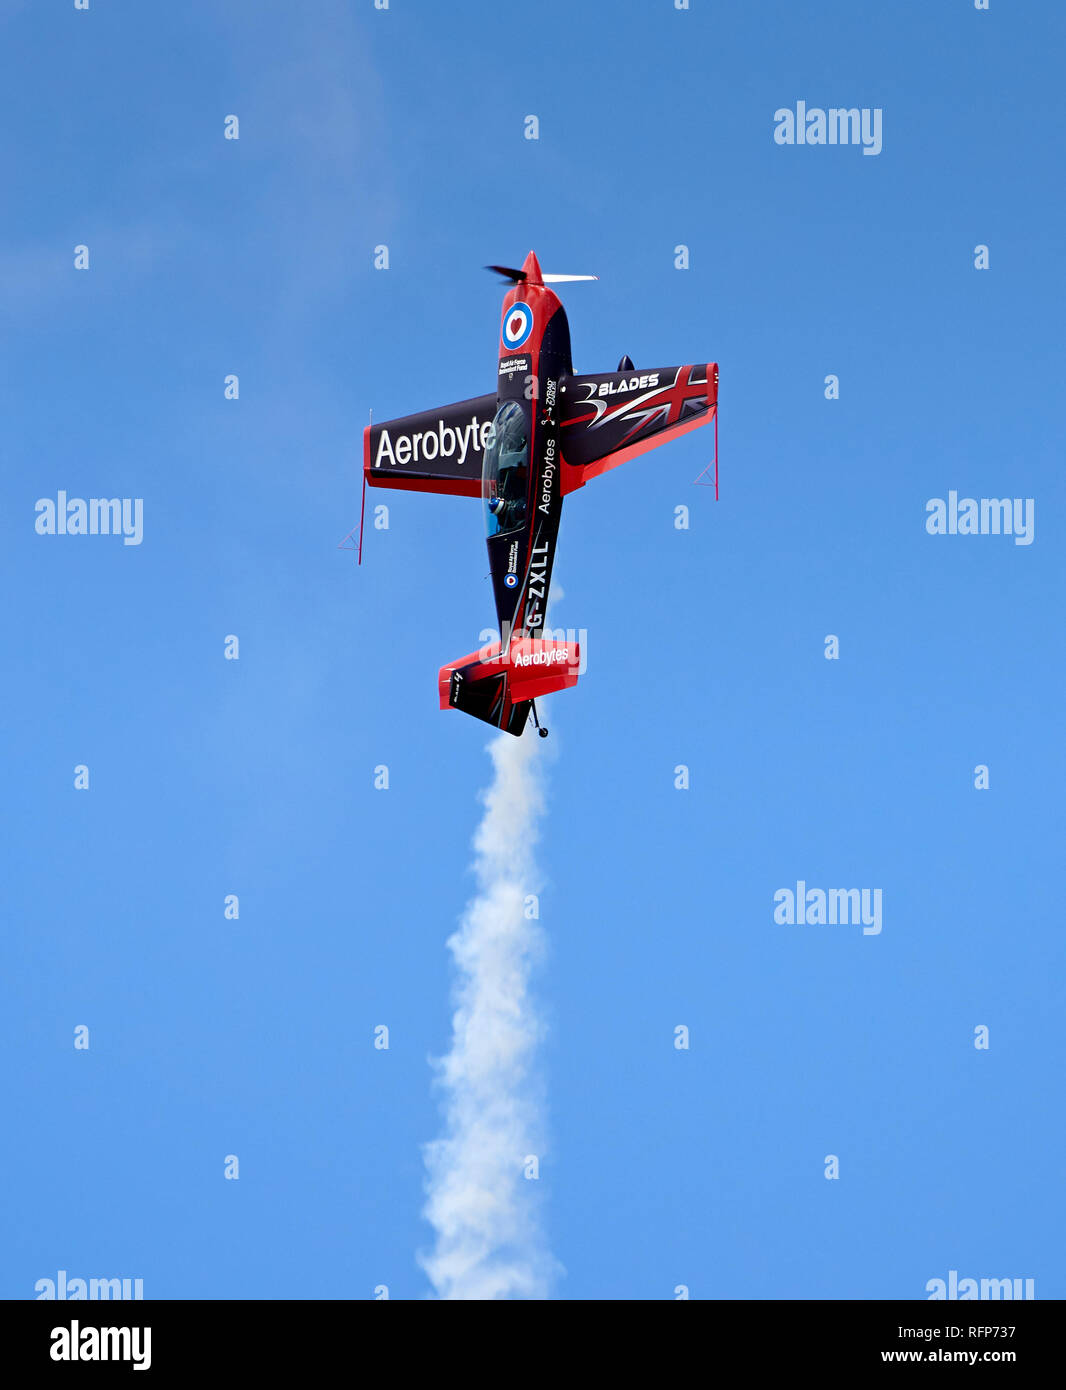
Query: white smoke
{"points": [[489, 1244]]}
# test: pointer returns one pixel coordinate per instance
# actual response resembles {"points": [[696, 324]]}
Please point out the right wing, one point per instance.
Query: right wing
{"points": [[611, 417], [435, 451]]}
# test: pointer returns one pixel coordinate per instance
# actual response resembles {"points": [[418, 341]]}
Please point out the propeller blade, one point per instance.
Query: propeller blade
{"points": [[518, 277]]}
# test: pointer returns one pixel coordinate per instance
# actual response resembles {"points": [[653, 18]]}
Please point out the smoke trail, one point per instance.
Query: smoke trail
{"points": [[488, 1240]]}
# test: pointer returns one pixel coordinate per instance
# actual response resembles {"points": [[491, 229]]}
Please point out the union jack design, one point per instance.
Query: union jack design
{"points": [[620, 409]]}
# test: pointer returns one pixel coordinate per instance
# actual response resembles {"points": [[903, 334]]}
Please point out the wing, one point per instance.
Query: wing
{"points": [[610, 418], [435, 451]]}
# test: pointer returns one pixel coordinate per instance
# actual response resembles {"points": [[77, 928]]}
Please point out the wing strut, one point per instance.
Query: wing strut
{"points": [[362, 513], [362, 506], [701, 477]]}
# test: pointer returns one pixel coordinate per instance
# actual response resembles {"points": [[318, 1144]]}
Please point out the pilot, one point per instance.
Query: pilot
{"points": [[508, 514], [510, 510]]}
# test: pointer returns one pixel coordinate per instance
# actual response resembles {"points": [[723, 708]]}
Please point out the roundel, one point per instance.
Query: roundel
{"points": [[511, 580], [517, 325]]}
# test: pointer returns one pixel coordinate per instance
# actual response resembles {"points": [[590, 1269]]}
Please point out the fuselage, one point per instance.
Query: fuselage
{"points": [[534, 360]]}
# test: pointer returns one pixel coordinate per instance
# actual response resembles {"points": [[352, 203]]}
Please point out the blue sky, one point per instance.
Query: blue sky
{"points": [[705, 647]]}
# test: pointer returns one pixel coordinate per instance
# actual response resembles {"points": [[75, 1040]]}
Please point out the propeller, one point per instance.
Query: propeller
{"points": [[519, 277]]}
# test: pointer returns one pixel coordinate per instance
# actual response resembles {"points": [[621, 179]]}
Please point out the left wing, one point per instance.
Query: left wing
{"points": [[434, 451], [611, 417]]}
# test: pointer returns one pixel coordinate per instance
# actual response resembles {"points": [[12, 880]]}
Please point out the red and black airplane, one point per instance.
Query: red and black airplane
{"points": [[544, 433]]}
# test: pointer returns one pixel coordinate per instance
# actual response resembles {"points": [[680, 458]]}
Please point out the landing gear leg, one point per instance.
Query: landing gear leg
{"points": [[533, 708]]}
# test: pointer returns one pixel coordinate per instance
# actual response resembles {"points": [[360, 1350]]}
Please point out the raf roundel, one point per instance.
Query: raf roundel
{"points": [[511, 580], [517, 325]]}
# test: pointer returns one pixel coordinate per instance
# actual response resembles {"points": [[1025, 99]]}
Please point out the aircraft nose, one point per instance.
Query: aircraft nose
{"points": [[531, 266]]}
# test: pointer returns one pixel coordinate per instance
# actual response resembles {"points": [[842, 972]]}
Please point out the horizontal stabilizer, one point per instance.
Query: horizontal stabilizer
{"points": [[498, 686]]}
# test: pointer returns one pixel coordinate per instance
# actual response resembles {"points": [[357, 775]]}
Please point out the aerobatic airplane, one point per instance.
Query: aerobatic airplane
{"points": [[543, 433]]}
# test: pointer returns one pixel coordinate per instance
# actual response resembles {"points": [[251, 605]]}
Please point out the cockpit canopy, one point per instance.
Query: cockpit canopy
{"points": [[505, 474]]}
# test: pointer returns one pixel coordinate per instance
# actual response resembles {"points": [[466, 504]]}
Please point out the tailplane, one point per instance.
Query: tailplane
{"points": [[499, 686]]}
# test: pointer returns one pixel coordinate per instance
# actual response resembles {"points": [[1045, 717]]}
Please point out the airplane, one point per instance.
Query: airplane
{"points": [[542, 435]]}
